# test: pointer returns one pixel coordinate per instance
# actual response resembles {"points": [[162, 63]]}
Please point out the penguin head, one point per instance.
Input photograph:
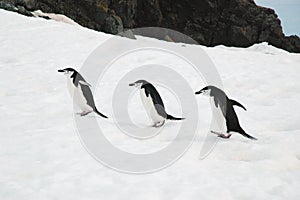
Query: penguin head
{"points": [[138, 84], [206, 91], [67, 71]]}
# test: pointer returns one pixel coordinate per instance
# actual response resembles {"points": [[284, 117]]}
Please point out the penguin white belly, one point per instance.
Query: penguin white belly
{"points": [[150, 109], [78, 97], [218, 122], [71, 87]]}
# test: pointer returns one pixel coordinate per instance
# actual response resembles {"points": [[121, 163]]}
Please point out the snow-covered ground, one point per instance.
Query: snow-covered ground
{"points": [[42, 157]]}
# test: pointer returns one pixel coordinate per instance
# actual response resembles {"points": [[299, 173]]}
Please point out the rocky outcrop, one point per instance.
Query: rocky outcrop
{"points": [[229, 22], [11, 6], [94, 14], [210, 22]]}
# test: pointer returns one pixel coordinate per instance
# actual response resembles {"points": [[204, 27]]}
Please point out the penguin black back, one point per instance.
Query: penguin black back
{"points": [[156, 98]]}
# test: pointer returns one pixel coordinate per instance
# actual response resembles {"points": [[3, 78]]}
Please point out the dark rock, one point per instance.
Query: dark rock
{"points": [[27, 4], [30, 4], [210, 22], [148, 13], [45, 17], [113, 23], [15, 7], [8, 6], [23, 11], [126, 10]]}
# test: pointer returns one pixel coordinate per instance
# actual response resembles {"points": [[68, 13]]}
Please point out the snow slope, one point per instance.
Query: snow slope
{"points": [[42, 157]]}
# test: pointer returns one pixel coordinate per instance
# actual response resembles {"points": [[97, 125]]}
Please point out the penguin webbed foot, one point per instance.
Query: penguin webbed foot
{"points": [[158, 124], [225, 136], [222, 135], [84, 113]]}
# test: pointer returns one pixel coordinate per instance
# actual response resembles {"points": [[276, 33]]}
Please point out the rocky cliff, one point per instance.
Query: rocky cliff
{"points": [[210, 22]]}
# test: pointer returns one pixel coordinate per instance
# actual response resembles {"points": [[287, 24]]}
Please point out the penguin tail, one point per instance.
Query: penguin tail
{"points": [[170, 117], [247, 135], [99, 113]]}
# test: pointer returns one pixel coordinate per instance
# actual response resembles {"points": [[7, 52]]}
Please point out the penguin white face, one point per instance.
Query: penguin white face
{"points": [[138, 84], [67, 71], [205, 91]]}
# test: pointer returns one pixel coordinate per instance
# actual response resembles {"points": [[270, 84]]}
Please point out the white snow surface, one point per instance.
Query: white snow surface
{"points": [[42, 157]]}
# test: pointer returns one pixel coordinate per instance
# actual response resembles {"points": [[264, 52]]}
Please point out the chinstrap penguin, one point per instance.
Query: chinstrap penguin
{"points": [[153, 103], [222, 102], [80, 91]]}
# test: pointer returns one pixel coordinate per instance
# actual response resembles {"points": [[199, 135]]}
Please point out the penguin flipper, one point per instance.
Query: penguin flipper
{"points": [[99, 113], [84, 83], [235, 103]]}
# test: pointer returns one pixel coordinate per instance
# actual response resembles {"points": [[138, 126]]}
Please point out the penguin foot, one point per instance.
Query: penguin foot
{"points": [[158, 124], [84, 113], [221, 135]]}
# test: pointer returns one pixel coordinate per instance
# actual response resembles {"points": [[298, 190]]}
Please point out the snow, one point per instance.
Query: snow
{"points": [[42, 157]]}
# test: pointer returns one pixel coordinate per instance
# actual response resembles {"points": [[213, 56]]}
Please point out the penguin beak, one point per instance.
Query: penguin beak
{"points": [[199, 92], [60, 70], [131, 84]]}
